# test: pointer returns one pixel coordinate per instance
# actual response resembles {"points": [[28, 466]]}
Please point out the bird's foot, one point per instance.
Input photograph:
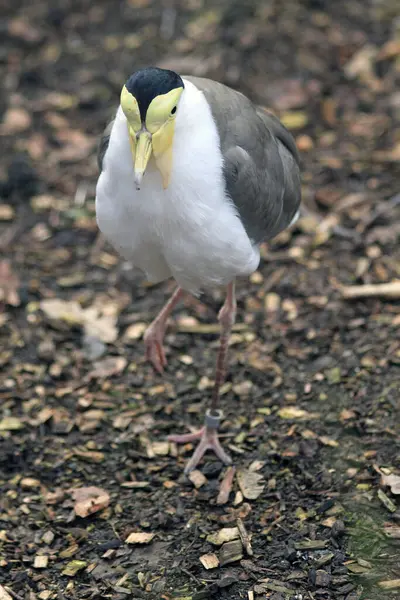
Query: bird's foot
{"points": [[208, 440], [153, 340]]}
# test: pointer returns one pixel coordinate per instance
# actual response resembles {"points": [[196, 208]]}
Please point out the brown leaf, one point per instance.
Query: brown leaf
{"points": [[251, 484], [392, 481], [89, 500], [95, 322], [140, 537], [108, 367]]}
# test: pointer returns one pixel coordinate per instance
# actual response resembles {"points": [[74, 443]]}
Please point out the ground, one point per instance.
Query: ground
{"points": [[312, 397]]}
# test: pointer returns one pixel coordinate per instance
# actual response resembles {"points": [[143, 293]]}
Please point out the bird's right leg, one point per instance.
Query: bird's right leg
{"points": [[154, 334]]}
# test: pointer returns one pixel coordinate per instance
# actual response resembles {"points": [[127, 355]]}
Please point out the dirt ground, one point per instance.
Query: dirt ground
{"points": [[312, 399]]}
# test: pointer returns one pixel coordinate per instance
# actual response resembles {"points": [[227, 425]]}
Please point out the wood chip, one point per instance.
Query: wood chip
{"points": [[29, 483], [160, 448], [197, 478], [90, 456], [139, 537], [386, 501], [41, 562], [73, 567], [251, 484], [226, 534], [230, 552], [48, 537], [311, 545], [391, 584], [4, 595], [10, 424], [209, 561]]}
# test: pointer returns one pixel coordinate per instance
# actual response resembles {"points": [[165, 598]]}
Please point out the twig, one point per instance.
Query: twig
{"points": [[386, 290], [12, 593], [244, 536], [226, 486]]}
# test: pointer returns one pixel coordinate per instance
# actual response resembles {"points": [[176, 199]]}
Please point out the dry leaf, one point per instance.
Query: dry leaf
{"points": [[113, 365], [139, 538], [393, 481], [251, 484], [41, 562], [294, 120], [10, 424], [73, 567], [89, 500], [95, 323], [292, 412], [390, 584]]}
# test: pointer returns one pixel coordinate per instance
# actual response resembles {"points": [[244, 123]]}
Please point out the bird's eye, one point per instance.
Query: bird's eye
{"points": [[173, 111]]}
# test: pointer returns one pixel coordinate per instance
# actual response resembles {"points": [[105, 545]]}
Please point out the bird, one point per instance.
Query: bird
{"points": [[193, 178]]}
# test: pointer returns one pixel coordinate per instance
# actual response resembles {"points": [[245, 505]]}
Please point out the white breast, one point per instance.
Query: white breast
{"points": [[189, 231]]}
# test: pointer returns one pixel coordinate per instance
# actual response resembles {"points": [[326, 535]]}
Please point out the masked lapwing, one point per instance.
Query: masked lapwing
{"points": [[194, 177]]}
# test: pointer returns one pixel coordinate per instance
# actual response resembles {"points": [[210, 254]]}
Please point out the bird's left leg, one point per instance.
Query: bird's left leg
{"points": [[154, 334], [207, 435]]}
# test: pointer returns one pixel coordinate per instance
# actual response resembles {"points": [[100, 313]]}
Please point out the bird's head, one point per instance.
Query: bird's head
{"points": [[149, 100]]}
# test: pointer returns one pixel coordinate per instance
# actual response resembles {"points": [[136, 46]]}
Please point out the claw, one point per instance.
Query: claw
{"points": [[208, 440], [153, 339]]}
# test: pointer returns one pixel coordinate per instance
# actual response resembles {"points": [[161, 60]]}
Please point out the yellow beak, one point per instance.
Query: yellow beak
{"points": [[141, 152], [143, 144]]}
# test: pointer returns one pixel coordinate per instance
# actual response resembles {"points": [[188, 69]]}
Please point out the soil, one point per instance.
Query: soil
{"points": [[311, 403]]}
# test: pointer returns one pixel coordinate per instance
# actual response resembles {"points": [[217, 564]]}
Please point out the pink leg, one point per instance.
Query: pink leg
{"points": [[154, 334], [207, 435]]}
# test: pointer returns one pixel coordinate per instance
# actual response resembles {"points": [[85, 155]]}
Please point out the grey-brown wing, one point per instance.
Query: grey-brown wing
{"points": [[103, 144], [261, 164]]}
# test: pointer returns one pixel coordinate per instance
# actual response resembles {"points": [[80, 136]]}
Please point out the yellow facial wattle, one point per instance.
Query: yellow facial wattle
{"points": [[155, 135]]}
